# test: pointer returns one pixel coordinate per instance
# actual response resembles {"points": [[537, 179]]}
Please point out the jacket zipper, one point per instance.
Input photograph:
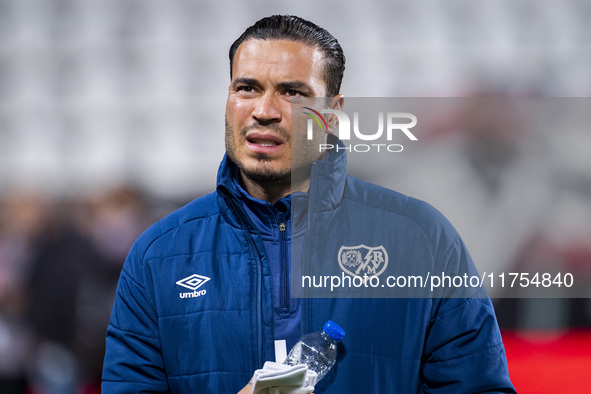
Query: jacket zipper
{"points": [[284, 274]]}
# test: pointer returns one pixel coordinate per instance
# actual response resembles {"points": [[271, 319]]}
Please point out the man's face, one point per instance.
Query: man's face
{"points": [[267, 77]]}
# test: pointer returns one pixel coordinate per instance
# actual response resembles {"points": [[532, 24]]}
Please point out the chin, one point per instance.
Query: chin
{"points": [[268, 176], [263, 171]]}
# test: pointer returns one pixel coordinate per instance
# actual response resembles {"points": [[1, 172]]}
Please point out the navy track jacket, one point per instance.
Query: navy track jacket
{"points": [[194, 308]]}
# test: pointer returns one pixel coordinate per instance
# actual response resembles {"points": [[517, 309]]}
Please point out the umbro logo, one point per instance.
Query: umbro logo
{"points": [[193, 282]]}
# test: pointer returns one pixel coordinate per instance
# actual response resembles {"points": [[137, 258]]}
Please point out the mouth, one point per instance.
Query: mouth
{"points": [[263, 142]]}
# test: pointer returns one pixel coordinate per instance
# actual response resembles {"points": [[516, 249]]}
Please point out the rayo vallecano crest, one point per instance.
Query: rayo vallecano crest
{"points": [[363, 260]]}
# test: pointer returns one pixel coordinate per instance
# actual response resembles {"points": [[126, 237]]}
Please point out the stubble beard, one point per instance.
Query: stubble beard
{"points": [[262, 173]]}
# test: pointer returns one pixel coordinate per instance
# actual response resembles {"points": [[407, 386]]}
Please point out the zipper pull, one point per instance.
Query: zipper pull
{"points": [[281, 219]]}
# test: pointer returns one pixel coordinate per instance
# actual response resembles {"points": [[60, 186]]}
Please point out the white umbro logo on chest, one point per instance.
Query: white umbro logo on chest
{"points": [[193, 282]]}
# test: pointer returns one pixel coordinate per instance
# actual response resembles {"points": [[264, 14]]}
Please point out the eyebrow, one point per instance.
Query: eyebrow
{"points": [[297, 85], [244, 81], [287, 85]]}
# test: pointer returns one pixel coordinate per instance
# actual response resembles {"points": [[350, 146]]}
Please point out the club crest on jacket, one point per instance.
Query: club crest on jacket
{"points": [[363, 260]]}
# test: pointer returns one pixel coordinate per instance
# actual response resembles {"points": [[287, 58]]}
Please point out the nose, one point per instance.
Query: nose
{"points": [[267, 109]]}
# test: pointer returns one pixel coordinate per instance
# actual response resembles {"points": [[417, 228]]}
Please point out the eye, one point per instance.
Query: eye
{"points": [[244, 88], [294, 93]]}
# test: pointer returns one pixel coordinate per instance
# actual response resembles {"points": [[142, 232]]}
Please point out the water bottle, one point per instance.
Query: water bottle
{"points": [[317, 350]]}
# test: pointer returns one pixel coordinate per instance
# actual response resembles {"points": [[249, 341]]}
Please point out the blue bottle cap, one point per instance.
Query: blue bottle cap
{"points": [[334, 331]]}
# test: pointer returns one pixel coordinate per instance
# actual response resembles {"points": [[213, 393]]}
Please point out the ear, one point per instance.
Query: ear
{"points": [[337, 102]]}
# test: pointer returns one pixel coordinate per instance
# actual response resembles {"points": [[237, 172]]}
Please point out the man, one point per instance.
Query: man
{"points": [[232, 249]]}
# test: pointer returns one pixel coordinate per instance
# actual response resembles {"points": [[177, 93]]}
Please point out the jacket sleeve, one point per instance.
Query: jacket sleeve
{"points": [[133, 358], [464, 352]]}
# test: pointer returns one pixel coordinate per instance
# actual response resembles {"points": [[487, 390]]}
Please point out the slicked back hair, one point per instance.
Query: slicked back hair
{"points": [[294, 28]]}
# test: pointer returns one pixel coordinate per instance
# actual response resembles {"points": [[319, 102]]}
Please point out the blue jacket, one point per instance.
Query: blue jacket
{"points": [[194, 306]]}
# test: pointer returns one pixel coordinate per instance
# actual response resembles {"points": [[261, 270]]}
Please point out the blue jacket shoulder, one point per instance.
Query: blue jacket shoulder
{"points": [[425, 217], [180, 221]]}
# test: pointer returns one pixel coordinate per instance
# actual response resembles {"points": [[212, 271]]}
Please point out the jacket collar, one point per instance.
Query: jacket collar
{"points": [[327, 182], [328, 178]]}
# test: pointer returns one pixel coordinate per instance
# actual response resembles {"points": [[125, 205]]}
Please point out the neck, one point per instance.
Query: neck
{"points": [[273, 191]]}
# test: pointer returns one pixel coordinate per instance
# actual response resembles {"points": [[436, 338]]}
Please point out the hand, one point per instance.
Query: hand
{"points": [[247, 389]]}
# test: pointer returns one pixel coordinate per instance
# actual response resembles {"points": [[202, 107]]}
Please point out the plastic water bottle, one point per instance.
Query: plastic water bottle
{"points": [[317, 350]]}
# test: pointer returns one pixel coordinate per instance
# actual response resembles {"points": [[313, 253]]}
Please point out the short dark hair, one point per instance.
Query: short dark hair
{"points": [[290, 27]]}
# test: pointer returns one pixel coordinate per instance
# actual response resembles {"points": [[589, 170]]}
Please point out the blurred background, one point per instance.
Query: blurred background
{"points": [[111, 116]]}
